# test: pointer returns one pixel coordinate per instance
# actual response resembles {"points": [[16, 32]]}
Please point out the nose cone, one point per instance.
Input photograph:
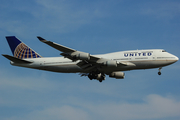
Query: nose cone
{"points": [[176, 59], [172, 59]]}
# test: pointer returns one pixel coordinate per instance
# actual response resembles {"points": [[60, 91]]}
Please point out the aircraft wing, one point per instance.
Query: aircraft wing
{"points": [[87, 61], [69, 52], [56, 46]]}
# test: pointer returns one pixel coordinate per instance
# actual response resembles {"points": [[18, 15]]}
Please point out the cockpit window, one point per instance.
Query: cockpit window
{"points": [[163, 51]]}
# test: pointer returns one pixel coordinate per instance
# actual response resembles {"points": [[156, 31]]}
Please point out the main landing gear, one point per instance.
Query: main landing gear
{"points": [[159, 73], [97, 75]]}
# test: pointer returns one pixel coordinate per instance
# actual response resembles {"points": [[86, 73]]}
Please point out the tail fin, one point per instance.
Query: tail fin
{"points": [[21, 50]]}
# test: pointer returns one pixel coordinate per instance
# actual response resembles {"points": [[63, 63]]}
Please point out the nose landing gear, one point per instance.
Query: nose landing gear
{"points": [[159, 73]]}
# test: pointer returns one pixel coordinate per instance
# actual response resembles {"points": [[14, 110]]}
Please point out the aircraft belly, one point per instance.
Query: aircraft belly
{"points": [[150, 64], [138, 65], [69, 68], [63, 68]]}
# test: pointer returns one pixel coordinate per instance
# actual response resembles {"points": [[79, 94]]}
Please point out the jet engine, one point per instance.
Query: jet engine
{"points": [[110, 63], [117, 75], [80, 55]]}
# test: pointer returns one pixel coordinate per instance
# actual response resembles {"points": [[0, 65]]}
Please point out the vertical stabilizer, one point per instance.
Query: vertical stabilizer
{"points": [[19, 49]]}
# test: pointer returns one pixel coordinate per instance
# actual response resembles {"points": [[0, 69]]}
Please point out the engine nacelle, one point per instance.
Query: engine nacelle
{"points": [[110, 63], [117, 75], [80, 55]]}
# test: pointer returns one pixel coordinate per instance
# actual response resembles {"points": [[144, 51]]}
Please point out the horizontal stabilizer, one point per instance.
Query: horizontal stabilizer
{"points": [[16, 60]]}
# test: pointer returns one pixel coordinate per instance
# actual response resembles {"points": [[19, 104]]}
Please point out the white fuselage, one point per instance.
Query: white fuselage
{"points": [[135, 59]]}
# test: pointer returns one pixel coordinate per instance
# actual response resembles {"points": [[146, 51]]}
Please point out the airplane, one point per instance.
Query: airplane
{"points": [[93, 66]]}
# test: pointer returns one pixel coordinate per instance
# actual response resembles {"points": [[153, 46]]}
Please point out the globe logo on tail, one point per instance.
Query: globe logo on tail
{"points": [[22, 52]]}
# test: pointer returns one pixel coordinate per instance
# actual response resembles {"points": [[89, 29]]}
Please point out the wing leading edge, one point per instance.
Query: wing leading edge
{"points": [[56, 46], [69, 52]]}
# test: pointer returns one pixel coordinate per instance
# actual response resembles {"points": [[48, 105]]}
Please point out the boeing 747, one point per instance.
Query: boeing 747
{"points": [[93, 66]]}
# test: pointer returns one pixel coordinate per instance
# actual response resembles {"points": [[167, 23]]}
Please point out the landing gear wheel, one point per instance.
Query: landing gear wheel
{"points": [[159, 73], [100, 80]]}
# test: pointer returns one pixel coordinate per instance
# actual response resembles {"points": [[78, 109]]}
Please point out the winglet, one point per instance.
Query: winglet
{"points": [[41, 39]]}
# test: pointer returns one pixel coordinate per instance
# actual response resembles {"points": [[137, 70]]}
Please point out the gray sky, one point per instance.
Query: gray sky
{"points": [[96, 26]]}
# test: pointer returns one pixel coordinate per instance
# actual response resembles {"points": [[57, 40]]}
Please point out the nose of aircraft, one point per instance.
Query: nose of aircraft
{"points": [[176, 58], [172, 59]]}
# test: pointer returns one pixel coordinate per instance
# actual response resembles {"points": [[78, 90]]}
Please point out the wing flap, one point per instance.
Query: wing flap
{"points": [[16, 60]]}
